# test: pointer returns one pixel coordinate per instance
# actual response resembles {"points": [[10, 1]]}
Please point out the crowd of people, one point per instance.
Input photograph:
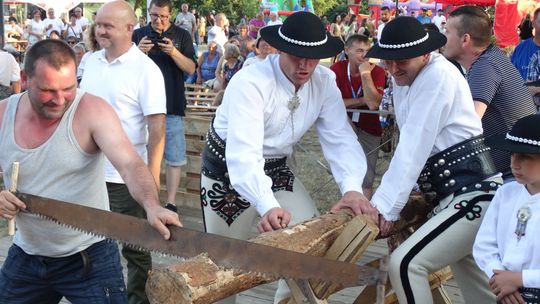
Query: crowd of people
{"points": [[101, 110]]}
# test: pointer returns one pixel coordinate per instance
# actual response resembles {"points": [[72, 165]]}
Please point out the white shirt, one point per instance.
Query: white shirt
{"points": [[270, 22], [496, 245], [80, 68], [252, 60], [379, 31], [57, 25], [10, 70], [217, 34], [133, 84], [438, 20], [434, 113], [73, 30], [82, 22], [255, 121], [37, 27]]}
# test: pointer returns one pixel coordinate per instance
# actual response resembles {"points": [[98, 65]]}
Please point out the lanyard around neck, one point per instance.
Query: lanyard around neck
{"points": [[357, 93]]}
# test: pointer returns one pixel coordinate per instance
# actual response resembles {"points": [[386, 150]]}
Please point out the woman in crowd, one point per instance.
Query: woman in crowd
{"points": [[232, 63], [35, 28], [246, 42], [336, 28], [364, 28], [73, 29], [208, 63], [353, 27]]}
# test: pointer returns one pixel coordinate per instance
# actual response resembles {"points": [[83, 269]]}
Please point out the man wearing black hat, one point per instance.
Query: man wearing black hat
{"points": [[441, 146], [266, 109]]}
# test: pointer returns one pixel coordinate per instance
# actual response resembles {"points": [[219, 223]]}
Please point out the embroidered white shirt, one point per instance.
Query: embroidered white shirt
{"points": [[496, 245], [434, 113], [255, 121]]}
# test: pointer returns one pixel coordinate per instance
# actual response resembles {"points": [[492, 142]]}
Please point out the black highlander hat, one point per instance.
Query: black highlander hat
{"points": [[404, 38], [302, 35], [522, 138]]}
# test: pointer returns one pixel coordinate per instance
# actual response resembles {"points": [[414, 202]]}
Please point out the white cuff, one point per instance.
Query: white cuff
{"points": [[265, 204], [531, 278], [351, 184]]}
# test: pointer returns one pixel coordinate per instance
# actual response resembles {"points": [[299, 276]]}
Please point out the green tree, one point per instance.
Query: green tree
{"points": [[324, 7]]}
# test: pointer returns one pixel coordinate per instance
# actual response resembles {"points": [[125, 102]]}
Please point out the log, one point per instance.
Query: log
{"points": [[200, 280]]}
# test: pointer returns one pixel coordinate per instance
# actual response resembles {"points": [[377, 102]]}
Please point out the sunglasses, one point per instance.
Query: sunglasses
{"points": [[72, 42]]}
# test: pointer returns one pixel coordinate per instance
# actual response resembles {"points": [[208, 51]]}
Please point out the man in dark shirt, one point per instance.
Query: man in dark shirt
{"points": [[171, 48], [499, 93]]}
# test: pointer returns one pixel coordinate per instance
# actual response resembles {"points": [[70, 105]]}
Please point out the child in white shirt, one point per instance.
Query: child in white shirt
{"points": [[507, 246]]}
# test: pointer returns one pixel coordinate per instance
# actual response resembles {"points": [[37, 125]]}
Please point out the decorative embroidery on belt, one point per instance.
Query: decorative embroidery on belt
{"points": [[225, 201], [474, 213], [229, 205], [282, 179], [222, 198]]}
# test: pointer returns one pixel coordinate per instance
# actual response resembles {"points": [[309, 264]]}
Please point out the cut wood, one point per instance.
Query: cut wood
{"points": [[200, 280]]}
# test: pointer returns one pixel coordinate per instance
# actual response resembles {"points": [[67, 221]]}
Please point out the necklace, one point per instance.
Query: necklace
{"points": [[293, 104]]}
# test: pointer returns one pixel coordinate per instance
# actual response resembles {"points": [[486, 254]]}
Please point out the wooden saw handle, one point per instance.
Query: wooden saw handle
{"points": [[13, 189]]}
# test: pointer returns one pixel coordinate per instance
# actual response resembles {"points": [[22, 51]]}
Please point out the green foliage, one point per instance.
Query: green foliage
{"points": [[329, 7], [233, 9]]}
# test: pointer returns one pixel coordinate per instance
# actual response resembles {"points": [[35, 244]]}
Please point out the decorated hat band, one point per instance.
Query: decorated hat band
{"points": [[522, 140], [404, 45], [302, 43]]}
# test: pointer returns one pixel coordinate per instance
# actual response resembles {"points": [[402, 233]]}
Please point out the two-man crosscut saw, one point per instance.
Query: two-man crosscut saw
{"points": [[184, 242]]}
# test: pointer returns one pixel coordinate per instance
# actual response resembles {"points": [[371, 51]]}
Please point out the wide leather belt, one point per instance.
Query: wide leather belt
{"points": [[459, 167], [213, 159], [530, 295]]}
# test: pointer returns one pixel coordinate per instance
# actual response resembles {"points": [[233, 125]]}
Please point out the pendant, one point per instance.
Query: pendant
{"points": [[294, 103], [523, 215]]}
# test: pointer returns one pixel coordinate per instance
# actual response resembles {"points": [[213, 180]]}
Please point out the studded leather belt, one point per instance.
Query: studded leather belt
{"points": [[213, 159], [459, 167]]}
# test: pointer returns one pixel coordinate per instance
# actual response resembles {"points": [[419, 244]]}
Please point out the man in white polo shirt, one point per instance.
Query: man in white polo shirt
{"points": [[53, 23], [133, 84], [81, 20]]}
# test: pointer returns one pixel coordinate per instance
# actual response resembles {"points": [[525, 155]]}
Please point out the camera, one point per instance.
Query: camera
{"points": [[156, 38]]}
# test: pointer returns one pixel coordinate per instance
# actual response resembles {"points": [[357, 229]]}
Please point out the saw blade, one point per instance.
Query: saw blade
{"points": [[186, 243]]}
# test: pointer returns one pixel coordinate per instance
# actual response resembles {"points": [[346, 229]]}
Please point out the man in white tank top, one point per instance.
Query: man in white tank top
{"points": [[60, 135]]}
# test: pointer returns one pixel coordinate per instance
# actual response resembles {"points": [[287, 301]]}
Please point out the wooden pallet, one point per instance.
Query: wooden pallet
{"points": [[198, 95], [188, 192]]}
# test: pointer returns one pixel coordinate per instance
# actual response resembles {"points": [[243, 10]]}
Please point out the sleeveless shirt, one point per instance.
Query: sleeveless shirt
{"points": [[59, 169]]}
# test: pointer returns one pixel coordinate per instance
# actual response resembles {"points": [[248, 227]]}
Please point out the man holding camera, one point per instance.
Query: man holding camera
{"points": [[171, 48], [133, 84]]}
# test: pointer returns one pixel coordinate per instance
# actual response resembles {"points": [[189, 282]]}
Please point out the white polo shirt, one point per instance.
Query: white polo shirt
{"points": [[133, 84]]}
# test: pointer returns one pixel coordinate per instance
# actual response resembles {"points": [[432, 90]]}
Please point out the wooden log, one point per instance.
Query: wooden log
{"points": [[200, 280]]}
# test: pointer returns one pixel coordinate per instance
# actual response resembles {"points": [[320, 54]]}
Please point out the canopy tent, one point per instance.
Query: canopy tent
{"points": [[59, 6]]}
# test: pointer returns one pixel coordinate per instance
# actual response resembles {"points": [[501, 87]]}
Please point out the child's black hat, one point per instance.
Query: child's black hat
{"points": [[524, 137]]}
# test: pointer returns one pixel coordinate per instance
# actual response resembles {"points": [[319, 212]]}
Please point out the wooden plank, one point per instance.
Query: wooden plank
{"points": [[348, 247], [193, 164], [190, 183], [440, 296], [194, 145], [196, 125]]}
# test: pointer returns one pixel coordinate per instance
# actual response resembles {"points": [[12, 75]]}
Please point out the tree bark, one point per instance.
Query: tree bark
{"points": [[200, 280]]}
